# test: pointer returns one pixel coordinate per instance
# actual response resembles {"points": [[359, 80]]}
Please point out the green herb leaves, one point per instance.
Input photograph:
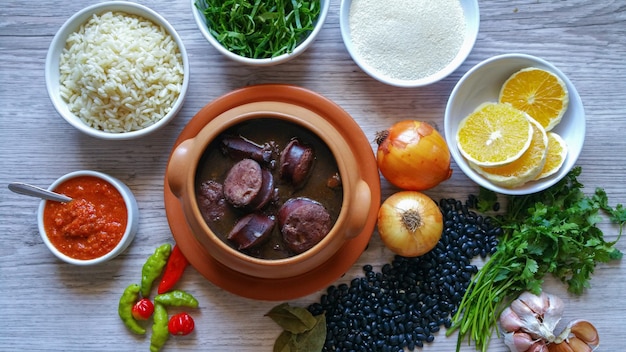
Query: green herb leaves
{"points": [[260, 29], [303, 332], [559, 226], [550, 232]]}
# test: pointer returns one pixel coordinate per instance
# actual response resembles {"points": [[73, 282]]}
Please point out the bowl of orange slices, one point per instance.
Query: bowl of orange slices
{"points": [[515, 124]]}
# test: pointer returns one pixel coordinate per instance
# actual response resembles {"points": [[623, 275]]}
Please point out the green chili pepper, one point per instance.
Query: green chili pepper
{"points": [[160, 332], [153, 267], [125, 309], [177, 298]]}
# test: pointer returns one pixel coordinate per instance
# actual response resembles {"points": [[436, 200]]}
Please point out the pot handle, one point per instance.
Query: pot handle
{"points": [[178, 167], [361, 205]]}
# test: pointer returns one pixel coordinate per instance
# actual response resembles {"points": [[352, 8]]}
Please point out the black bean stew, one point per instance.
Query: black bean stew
{"points": [[269, 188]]}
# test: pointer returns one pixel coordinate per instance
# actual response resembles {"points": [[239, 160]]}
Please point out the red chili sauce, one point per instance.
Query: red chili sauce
{"points": [[92, 224]]}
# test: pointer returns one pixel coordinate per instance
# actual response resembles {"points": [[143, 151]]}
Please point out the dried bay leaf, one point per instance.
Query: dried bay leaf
{"points": [[293, 319], [285, 342], [311, 334], [313, 340]]}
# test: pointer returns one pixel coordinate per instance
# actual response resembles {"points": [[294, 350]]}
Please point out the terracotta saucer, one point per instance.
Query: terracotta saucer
{"points": [[316, 279]]}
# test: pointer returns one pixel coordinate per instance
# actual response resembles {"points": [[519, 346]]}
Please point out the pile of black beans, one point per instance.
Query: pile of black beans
{"points": [[410, 299]]}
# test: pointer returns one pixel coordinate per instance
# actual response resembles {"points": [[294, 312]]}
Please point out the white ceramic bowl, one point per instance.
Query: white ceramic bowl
{"points": [[367, 64], [58, 44], [202, 25], [482, 84], [131, 226]]}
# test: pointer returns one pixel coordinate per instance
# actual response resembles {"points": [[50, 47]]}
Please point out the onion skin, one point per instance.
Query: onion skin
{"points": [[402, 239], [413, 156]]}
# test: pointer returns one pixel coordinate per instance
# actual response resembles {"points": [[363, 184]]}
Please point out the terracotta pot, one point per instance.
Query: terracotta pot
{"points": [[357, 195]]}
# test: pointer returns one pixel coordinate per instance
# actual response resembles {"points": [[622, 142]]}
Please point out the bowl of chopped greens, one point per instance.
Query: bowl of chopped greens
{"points": [[260, 33]]}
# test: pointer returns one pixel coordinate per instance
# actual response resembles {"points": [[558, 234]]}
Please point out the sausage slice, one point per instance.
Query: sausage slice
{"points": [[251, 230], [296, 161], [243, 183], [266, 193], [303, 223]]}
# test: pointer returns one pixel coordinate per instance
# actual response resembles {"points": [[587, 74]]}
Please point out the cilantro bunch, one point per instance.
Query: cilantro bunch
{"points": [[550, 232]]}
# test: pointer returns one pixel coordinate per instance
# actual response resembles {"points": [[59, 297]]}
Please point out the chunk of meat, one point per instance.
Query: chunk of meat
{"points": [[238, 147], [210, 197]]}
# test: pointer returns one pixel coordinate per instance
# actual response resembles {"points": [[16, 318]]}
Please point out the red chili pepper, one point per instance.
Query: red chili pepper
{"points": [[143, 309], [174, 269], [180, 324]]}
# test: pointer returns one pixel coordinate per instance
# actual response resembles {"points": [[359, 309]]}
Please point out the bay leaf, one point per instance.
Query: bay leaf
{"points": [[296, 320], [285, 342], [313, 340]]}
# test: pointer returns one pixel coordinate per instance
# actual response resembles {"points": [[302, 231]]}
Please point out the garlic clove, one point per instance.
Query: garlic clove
{"points": [[538, 346], [579, 345], [560, 347], [510, 321], [538, 304], [553, 312], [531, 322], [522, 310], [585, 331], [518, 341]]}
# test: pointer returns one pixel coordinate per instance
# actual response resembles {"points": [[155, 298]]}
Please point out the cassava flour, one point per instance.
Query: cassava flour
{"points": [[407, 39]]}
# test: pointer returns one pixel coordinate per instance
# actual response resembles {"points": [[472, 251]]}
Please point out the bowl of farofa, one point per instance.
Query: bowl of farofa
{"points": [[407, 43], [117, 70], [260, 34]]}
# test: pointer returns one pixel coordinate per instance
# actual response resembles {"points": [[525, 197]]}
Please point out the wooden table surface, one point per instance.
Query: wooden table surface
{"points": [[47, 305]]}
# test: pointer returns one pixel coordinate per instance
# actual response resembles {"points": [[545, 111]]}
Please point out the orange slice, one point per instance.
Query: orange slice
{"points": [[494, 135], [557, 151], [524, 169], [539, 93]]}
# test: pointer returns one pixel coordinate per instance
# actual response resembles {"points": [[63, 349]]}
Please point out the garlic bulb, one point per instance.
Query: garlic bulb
{"points": [[529, 324]]}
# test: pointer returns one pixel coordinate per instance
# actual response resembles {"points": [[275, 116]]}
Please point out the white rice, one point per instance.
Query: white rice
{"points": [[120, 72]]}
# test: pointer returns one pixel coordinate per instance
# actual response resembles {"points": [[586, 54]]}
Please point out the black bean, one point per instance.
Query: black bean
{"points": [[419, 337]]}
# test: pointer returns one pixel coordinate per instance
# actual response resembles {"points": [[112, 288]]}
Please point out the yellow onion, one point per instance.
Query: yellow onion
{"points": [[413, 156], [410, 223]]}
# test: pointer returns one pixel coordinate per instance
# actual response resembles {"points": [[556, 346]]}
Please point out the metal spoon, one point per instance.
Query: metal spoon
{"points": [[30, 190]]}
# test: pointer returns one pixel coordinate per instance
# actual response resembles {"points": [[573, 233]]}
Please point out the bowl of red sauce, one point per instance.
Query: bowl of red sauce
{"points": [[98, 223]]}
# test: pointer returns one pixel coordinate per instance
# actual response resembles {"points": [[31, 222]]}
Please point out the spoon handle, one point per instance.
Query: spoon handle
{"points": [[34, 191]]}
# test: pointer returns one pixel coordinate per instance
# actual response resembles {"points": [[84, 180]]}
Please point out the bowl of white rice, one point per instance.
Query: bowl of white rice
{"points": [[117, 70], [408, 43]]}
